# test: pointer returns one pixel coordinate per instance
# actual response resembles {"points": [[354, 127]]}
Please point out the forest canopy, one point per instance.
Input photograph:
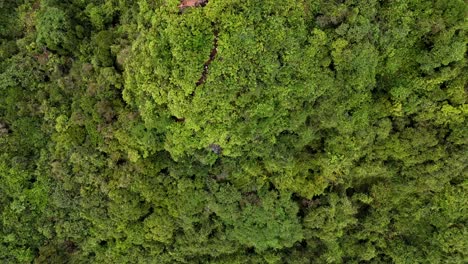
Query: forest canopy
{"points": [[233, 131]]}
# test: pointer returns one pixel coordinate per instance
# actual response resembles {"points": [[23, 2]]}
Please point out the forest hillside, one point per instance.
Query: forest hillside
{"points": [[233, 131]]}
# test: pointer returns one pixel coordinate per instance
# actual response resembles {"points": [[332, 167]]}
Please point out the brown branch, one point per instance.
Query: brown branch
{"points": [[213, 53]]}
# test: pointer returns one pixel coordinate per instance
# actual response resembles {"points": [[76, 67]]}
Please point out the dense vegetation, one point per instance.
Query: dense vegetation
{"points": [[234, 131]]}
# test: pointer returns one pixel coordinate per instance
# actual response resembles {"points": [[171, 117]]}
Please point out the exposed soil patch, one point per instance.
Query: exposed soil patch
{"points": [[4, 129], [43, 57], [216, 149], [192, 3], [70, 246]]}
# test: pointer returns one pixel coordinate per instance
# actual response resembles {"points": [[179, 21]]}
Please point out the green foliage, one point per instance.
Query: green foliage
{"points": [[24, 196], [264, 221], [233, 131], [55, 30]]}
